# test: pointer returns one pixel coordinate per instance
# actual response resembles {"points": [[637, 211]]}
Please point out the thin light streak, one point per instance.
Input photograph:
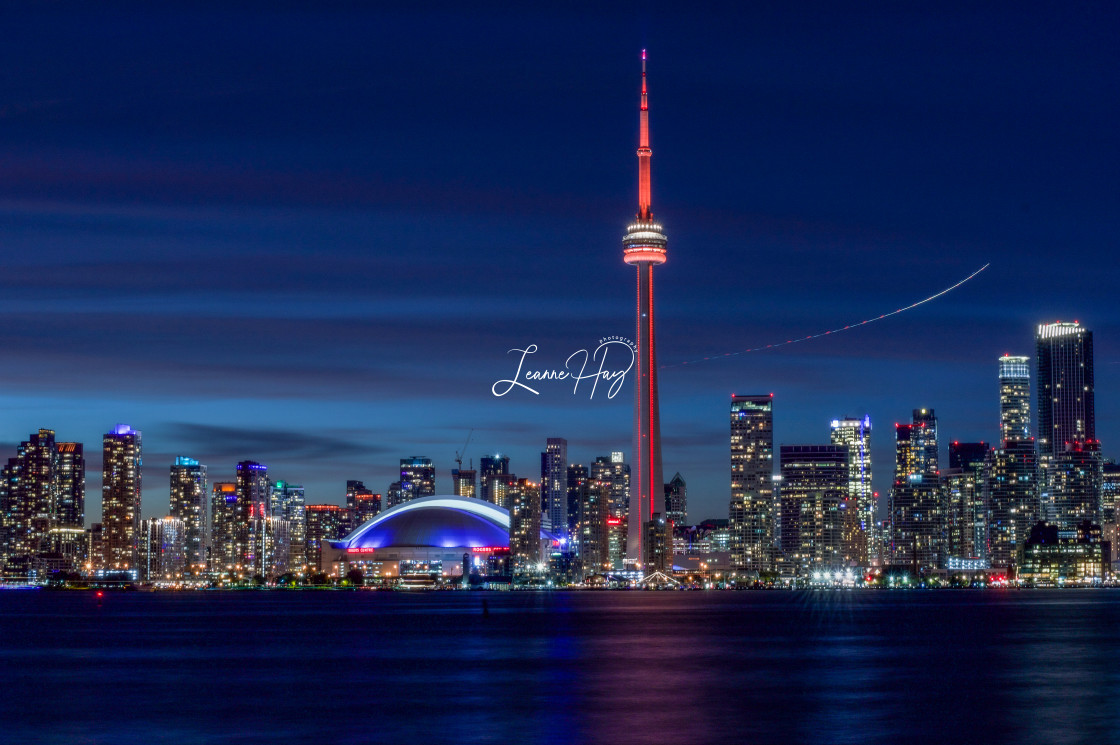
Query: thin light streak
{"points": [[841, 329]]}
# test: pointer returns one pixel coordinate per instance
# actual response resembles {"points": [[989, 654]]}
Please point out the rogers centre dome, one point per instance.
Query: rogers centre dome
{"points": [[426, 534]]}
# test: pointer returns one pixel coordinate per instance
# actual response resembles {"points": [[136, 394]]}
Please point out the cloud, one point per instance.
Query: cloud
{"points": [[265, 444]]}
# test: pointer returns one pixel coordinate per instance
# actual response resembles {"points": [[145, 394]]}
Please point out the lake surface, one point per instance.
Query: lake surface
{"points": [[594, 667]]}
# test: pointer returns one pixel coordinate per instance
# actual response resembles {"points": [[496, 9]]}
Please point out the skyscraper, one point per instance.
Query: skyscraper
{"points": [[554, 486], [418, 478], [42, 500], [578, 477], [491, 467], [163, 550], [815, 488], [223, 528], [251, 513], [644, 248], [615, 471], [752, 484], [1012, 484], [964, 488], [120, 497], [859, 509], [1066, 423], [594, 512], [1075, 479], [1066, 408], [916, 509], [363, 503], [1014, 398], [71, 509], [464, 482], [290, 503], [188, 504], [1013, 500], [676, 501], [525, 527], [1110, 492], [325, 522]]}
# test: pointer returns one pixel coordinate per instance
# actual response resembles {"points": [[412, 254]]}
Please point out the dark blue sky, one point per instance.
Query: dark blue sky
{"points": [[307, 236]]}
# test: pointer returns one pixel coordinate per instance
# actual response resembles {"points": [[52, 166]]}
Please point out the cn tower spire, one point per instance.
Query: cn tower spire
{"points": [[644, 153], [643, 247]]}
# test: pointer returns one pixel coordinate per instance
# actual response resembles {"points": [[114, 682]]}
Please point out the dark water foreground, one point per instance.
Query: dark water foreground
{"points": [[747, 667]]}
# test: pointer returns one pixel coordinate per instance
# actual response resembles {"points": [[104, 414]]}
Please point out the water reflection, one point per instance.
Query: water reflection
{"points": [[595, 667]]}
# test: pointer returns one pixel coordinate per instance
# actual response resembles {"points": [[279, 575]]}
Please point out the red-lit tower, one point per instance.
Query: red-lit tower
{"points": [[644, 247]]}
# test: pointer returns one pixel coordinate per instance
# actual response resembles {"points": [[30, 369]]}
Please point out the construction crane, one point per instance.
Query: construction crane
{"points": [[459, 454]]}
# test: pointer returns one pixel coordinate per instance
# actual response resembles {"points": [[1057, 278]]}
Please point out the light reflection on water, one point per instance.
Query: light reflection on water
{"points": [[748, 667]]}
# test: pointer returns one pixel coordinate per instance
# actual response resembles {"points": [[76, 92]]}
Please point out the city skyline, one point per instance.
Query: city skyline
{"points": [[142, 203]]}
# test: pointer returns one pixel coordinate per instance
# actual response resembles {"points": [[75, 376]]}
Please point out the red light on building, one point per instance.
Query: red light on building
{"points": [[360, 550]]}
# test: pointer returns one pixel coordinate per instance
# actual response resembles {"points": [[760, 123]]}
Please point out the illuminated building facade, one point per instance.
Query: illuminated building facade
{"points": [[676, 500], [71, 509], [42, 491], [163, 549], [188, 504], [121, 473], [644, 248], [223, 527], [1066, 410], [1110, 491], [289, 502], [251, 512], [491, 467], [325, 522], [1014, 398], [614, 470], [658, 551], [966, 505], [1053, 557], [594, 537], [1013, 500], [363, 503], [394, 495], [424, 540], [1075, 481], [554, 486], [418, 478], [752, 512], [464, 482], [916, 510], [859, 508], [578, 479], [1066, 403], [815, 486], [525, 527]]}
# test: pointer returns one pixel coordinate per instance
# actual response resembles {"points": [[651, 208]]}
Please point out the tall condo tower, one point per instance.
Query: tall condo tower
{"points": [[1014, 398], [643, 247]]}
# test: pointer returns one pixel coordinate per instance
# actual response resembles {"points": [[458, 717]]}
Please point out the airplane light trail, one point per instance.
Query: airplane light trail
{"points": [[850, 326]]}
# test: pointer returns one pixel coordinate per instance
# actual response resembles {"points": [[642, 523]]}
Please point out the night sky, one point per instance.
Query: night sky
{"points": [[308, 236]]}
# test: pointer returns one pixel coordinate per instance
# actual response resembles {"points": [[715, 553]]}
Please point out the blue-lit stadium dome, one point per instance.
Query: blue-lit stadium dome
{"points": [[436, 522]]}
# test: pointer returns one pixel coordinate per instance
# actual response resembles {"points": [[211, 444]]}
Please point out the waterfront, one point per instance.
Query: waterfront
{"points": [[348, 667]]}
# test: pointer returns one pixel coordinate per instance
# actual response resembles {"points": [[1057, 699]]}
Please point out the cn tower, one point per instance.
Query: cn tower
{"points": [[643, 247]]}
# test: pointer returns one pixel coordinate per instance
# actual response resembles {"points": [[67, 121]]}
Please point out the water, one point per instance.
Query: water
{"points": [[591, 667]]}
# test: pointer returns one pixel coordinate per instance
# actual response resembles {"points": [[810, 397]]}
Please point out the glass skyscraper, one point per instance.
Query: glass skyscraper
{"points": [[752, 509], [916, 513], [554, 487], [859, 517], [121, 487], [188, 504]]}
